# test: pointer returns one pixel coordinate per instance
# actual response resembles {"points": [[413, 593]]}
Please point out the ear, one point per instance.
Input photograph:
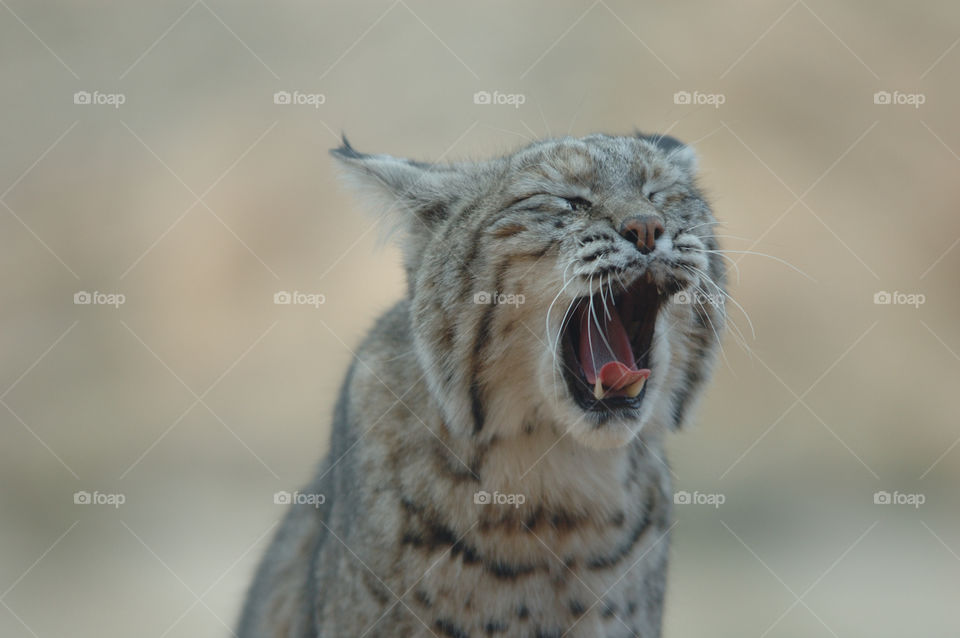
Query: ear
{"points": [[413, 197], [414, 194], [677, 152]]}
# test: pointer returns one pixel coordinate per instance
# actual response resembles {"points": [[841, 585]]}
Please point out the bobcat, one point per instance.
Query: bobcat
{"points": [[496, 458]]}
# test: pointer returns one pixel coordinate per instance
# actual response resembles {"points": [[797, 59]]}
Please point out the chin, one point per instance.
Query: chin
{"points": [[609, 436], [598, 430]]}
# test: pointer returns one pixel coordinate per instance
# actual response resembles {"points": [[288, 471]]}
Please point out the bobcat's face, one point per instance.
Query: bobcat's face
{"points": [[544, 285]]}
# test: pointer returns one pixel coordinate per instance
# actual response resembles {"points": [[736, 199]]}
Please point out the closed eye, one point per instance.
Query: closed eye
{"points": [[547, 201], [578, 203]]}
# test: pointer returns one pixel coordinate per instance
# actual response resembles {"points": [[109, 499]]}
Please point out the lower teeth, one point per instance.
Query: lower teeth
{"points": [[631, 390], [598, 390], [634, 388]]}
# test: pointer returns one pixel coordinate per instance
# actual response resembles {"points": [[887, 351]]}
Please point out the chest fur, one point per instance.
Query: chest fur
{"points": [[531, 536]]}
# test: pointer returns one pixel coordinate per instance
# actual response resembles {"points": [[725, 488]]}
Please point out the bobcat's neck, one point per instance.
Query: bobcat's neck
{"points": [[547, 469]]}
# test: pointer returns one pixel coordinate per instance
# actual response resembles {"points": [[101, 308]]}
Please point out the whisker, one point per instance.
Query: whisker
{"points": [[777, 259], [603, 300], [556, 344], [713, 222], [603, 337], [724, 237], [706, 315], [733, 261], [725, 294]]}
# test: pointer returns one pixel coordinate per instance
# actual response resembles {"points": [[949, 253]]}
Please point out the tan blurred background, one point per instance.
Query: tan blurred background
{"points": [[199, 198]]}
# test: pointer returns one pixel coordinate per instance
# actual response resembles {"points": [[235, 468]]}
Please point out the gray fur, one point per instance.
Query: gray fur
{"points": [[450, 398]]}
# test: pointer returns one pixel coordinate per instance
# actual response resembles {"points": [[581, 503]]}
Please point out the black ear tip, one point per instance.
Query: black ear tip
{"points": [[665, 142], [345, 150]]}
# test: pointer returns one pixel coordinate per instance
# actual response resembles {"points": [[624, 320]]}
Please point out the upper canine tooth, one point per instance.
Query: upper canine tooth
{"points": [[598, 389], [634, 388]]}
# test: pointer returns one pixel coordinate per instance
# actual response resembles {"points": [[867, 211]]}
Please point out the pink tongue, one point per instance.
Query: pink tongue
{"points": [[607, 354], [615, 375]]}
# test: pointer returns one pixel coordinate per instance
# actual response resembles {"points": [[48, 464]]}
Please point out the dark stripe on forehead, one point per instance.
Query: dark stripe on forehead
{"points": [[560, 160]]}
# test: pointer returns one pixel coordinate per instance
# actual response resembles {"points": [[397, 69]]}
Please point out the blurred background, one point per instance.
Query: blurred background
{"points": [[164, 176]]}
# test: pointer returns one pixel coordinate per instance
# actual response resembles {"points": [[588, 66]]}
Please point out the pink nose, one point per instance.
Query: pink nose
{"points": [[643, 231]]}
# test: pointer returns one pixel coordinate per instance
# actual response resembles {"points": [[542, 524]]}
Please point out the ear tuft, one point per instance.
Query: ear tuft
{"points": [[414, 195], [346, 150]]}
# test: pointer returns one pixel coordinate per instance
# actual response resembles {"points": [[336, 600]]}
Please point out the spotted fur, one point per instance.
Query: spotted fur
{"points": [[451, 398]]}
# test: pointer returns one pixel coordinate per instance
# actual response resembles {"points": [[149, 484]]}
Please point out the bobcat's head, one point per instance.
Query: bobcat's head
{"points": [[575, 282]]}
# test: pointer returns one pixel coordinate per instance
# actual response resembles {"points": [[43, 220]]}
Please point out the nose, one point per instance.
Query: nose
{"points": [[642, 231]]}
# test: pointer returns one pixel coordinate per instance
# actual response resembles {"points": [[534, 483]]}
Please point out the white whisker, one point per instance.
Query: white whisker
{"points": [[777, 259], [706, 315], [725, 294], [736, 266], [600, 330], [714, 222]]}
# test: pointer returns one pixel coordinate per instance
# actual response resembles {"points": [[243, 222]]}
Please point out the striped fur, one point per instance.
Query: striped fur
{"points": [[452, 398]]}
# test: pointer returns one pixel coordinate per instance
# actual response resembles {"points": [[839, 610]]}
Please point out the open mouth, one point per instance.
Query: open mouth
{"points": [[606, 347]]}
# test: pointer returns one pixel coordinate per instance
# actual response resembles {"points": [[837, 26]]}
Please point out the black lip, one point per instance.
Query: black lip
{"points": [[638, 305]]}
